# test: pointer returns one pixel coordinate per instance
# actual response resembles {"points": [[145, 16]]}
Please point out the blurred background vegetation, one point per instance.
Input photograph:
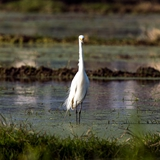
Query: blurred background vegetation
{"points": [[87, 6]]}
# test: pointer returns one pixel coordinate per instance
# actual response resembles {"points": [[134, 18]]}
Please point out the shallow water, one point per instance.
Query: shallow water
{"points": [[126, 58], [108, 109], [110, 106], [71, 24]]}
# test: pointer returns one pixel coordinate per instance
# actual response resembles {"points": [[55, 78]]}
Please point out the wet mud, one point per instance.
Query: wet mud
{"points": [[42, 73]]}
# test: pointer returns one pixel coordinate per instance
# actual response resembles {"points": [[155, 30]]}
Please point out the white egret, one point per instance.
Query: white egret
{"points": [[79, 85]]}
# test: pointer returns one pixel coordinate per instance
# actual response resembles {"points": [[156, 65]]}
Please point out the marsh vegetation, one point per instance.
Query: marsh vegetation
{"points": [[39, 53], [21, 142]]}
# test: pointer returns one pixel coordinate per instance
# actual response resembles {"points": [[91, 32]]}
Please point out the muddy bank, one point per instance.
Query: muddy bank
{"points": [[28, 73]]}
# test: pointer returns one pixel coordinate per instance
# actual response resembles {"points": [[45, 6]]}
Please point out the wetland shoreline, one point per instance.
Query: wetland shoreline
{"points": [[44, 40], [63, 74]]}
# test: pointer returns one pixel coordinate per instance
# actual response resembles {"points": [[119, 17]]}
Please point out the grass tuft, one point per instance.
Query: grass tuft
{"points": [[22, 142]]}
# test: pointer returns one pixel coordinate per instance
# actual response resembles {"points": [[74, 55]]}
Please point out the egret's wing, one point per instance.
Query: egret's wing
{"points": [[77, 91], [81, 87], [69, 102]]}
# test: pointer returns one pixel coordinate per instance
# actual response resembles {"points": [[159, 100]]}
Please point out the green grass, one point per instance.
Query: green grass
{"points": [[22, 142]]}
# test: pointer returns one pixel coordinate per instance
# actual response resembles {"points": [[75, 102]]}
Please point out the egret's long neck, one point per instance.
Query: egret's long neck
{"points": [[81, 63]]}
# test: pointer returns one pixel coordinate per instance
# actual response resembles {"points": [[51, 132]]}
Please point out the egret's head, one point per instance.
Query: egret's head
{"points": [[81, 38]]}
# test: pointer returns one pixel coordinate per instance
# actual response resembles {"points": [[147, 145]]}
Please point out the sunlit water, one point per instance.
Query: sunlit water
{"points": [[109, 108]]}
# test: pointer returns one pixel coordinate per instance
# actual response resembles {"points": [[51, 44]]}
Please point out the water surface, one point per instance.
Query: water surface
{"points": [[71, 24], [110, 106], [108, 109], [126, 58]]}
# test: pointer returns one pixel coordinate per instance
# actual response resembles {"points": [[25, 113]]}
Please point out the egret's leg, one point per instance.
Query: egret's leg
{"points": [[80, 113], [76, 115]]}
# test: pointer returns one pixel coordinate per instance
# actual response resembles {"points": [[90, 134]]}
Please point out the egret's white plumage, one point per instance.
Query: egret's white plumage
{"points": [[79, 84]]}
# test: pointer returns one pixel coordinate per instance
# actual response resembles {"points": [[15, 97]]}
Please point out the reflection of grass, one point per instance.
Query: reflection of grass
{"points": [[24, 143]]}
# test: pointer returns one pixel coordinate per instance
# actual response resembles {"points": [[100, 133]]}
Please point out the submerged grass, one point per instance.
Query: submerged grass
{"points": [[22, 142]]}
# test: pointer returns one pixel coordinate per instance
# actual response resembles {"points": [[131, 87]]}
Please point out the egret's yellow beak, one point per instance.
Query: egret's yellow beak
{"points": [[82, 40]]}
